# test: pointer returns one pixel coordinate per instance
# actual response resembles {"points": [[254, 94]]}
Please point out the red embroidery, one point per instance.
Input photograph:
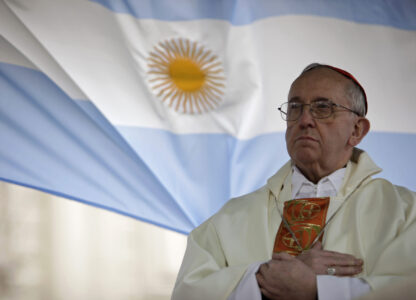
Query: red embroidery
{"points": [[306, 218]]}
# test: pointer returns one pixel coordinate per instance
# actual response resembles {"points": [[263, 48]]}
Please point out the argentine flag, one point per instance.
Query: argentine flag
{"points": [[163, 110]]}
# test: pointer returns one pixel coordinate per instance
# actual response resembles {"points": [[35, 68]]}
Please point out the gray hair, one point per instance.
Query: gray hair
{"points": [[353, 90]]}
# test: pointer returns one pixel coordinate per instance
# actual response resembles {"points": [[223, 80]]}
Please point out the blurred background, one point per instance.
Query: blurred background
{"points": [[54, 248]]}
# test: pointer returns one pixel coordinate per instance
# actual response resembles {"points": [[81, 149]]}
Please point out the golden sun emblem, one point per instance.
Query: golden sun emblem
{"points": [[186, 76]]}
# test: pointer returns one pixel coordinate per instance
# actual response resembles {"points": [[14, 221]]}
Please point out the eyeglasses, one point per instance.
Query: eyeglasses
{"points": [[319, 109]]}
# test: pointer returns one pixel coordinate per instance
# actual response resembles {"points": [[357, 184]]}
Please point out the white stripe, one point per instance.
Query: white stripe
{"points": [[19, 47], [260, 60]]}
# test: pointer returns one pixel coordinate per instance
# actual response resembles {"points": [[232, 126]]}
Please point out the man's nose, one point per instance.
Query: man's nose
{"points": [[306, 118]]}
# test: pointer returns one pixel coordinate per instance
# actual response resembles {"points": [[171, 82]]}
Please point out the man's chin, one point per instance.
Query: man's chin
{"points": [[305, 157]]}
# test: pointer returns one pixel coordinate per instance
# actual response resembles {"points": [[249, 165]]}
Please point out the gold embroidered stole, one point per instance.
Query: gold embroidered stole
{"points": [[306, 218]]}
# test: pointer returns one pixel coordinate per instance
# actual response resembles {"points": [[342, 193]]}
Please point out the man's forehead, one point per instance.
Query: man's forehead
{"points": [[319, 82], [323, 73]]}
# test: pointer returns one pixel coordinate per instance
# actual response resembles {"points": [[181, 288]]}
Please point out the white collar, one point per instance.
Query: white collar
{"points": [[333, 181]]}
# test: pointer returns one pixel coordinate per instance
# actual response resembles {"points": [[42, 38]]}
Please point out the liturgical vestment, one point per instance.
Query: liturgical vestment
{"points": [[374, 220]]}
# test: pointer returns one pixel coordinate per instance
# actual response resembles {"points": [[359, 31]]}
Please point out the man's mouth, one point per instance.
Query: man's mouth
{"points": [[306, 138]]}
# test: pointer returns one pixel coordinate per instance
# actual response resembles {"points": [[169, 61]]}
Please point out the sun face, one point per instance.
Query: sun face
{"points": [[185, 76]]}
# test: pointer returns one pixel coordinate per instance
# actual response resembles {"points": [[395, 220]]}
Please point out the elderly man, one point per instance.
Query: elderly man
{"points": [[321, 226]]}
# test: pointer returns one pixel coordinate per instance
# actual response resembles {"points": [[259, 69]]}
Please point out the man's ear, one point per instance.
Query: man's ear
{"points": [[361, 128]]}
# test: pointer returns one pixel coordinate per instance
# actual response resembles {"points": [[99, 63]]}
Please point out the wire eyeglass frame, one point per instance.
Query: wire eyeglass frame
{"points": [[313, 109]]}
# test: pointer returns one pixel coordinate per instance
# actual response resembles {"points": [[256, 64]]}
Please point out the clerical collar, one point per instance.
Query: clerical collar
{"points": [[326, 186]]}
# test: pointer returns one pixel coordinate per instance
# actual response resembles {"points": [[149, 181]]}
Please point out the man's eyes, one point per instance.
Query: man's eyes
{"points": [[322, 105], [295, 105], [316, 105]]}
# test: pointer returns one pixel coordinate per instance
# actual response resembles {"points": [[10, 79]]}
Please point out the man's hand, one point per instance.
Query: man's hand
{"points": [[320, 260], [285, 277]]}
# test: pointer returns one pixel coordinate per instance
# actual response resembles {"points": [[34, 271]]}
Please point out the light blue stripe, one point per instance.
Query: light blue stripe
{"points": [[395, 154], [51, 144], [203, 171], [394, 13]]}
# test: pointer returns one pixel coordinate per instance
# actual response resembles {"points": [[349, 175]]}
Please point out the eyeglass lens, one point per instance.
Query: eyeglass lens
{"points": [[291, 111]]}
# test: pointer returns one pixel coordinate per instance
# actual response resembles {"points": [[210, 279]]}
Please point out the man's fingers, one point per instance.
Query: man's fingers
{"points": [[348, 266], [318, 251], [263, 267], [347, 271], [262, 283], [343, 261], [336, 258], [337, 255], [319, 261], [260, 279], [330, 253]]}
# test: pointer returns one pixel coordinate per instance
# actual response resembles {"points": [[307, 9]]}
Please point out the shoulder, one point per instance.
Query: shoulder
{"points": [[383, 193], [382, 185]]}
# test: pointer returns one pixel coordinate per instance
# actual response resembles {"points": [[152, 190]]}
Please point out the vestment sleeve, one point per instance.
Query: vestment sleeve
{"points": [[205, 273], [340, 288]]}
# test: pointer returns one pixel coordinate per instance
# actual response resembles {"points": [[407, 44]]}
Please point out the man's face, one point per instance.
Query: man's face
{"points": [[320, 145]]}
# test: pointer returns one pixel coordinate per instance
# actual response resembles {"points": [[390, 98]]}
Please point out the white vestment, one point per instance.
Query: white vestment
{"points": [[377, 223]]}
